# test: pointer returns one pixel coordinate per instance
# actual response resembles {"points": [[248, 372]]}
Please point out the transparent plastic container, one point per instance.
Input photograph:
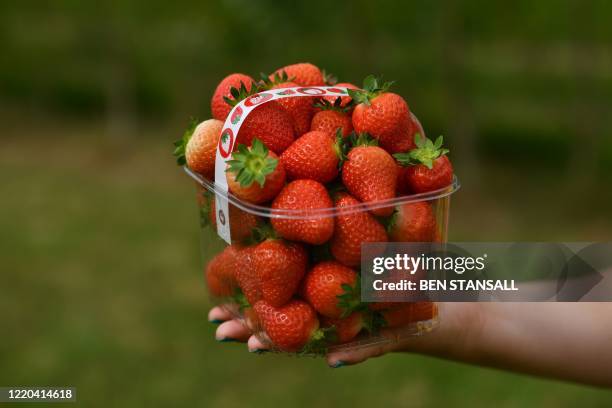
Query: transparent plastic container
{"points": [[418, 318]]}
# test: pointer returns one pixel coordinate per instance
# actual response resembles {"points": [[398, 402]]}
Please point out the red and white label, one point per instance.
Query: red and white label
{"points": [[232, 125]]}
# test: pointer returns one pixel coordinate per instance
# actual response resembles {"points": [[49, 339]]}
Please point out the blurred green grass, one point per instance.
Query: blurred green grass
{"points": [[102, 286]]}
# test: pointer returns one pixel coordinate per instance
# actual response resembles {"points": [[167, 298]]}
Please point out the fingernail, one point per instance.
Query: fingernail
{"points": [[226, 340], [338, 364], [216, 321], [259, 351]]}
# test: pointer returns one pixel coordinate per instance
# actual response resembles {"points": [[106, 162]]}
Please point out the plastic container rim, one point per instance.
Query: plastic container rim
{"points": [[264, 211]]}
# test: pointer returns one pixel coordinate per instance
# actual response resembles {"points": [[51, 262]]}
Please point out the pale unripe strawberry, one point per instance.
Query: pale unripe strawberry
{"points": [[198, 146]]}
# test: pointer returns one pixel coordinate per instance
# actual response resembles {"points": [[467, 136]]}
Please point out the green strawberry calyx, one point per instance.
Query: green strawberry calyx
{"points": [[362, 139], [240, 93], [372, 87], [324, 104], [270, 81], [390, 221], [425, 153], [252, 164], [341, 147], [321, 338], [319, 341], [370, 320], [350, 299], [262, 232], [180, 146], [240, 299]]}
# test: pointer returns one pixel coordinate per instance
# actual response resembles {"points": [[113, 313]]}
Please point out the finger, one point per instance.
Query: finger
{"points": [[350, 357], [219, 314], [256, 346], [232, 330], [342, 358]]}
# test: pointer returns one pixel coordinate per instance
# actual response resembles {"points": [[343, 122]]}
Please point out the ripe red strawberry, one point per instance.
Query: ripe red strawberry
{"points": [[219, 107], [409, 313], [331, 118], [272, 271], [248, 282], [413, 222], [353, 227], [308, 196], [290, 327], [347, 328], [330, 121], [221, 271], [416, 129], [403, 139], [331, 288], [268, 122], [241, 224], [400, 141], [303, 74], [198, 147], [271, 124], [344, 100], [300, 109], [314, 156], [255, 174], [382, 114], [370, 174], [422, 178], [428, 166]]}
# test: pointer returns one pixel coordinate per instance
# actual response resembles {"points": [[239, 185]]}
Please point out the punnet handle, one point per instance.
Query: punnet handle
{"points": [[231, 127]]}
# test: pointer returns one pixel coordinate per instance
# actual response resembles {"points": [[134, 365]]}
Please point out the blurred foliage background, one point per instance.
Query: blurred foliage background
{"points": [[101, 278]]}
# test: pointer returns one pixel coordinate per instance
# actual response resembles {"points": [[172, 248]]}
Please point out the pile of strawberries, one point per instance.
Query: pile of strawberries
{"points": [[297, 278]]}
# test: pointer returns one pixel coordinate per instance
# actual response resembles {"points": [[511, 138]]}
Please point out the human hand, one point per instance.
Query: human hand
{"points": [[459, 322]]}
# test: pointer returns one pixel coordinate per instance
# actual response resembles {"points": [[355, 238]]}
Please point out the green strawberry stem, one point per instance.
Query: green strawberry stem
{"points": [[319, 341], [362, 139], [252, 164], [278, 78], [261, 232], [350, 299], [389, 221], [181, 144], [341, 147], [425, 153], [372, 87], [324, 104], [238, 94], [240, 299]]}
